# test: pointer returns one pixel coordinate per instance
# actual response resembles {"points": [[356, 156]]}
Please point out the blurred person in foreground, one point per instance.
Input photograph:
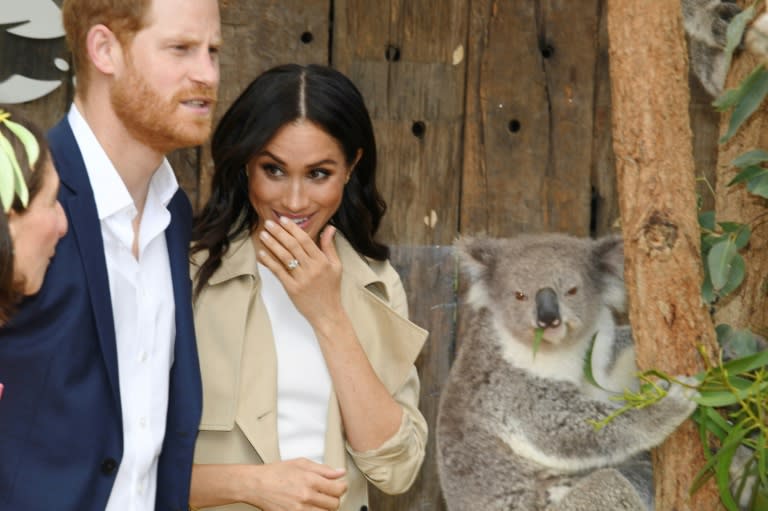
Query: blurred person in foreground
{"points": [[31, 218], [102, 360]]}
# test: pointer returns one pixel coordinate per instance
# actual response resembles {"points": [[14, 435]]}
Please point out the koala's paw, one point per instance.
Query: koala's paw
{"points": [[684, 393], [756, 38]]}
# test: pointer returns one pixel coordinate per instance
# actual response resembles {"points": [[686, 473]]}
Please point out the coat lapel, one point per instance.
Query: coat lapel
{"points": [[84, 221], [243, 388]]}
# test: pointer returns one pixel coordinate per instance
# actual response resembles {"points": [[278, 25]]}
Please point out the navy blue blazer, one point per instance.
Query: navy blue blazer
{"points": [[61, 438]]}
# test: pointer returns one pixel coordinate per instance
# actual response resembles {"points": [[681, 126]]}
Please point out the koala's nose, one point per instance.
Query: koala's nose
{"points": [[547, 308]]}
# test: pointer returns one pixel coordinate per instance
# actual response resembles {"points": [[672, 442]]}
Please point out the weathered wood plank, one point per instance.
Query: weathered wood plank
{"points": [[428, 275], [408, 59], [605, 205], [529, 117]]}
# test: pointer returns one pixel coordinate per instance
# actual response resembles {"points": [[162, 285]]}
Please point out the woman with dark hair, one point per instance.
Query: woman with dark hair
{"points": [[31, 218], [307, 356]]}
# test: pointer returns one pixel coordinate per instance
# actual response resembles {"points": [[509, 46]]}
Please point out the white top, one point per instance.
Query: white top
{"points": [[303, 382], [144, 314]]}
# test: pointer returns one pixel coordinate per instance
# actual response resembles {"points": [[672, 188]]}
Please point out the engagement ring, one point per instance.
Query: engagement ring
{"points": [[292, 264]]}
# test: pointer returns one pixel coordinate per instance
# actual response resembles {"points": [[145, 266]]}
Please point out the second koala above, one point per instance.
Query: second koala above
{"points": [[513, 429]]}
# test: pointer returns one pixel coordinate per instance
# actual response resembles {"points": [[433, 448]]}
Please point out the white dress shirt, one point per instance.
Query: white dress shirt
{"points": [[303, 381], [143, 307]]}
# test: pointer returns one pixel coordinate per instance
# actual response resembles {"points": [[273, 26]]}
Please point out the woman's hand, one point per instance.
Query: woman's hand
{"points": [[293, 485], [296, 485], [310, 274]]}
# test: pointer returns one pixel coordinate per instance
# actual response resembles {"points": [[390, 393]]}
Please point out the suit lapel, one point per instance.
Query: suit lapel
{"points": [[77, 199]]}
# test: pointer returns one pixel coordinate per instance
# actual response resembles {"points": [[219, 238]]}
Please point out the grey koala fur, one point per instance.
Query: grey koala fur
{"points": [[706, 23], [512, 430]]}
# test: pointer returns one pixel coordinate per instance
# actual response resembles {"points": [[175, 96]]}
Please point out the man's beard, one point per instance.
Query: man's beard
{"points": [[156, 122]]}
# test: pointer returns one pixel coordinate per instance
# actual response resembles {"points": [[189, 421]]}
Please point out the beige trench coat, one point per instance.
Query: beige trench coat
{"points": [[238, 364]]}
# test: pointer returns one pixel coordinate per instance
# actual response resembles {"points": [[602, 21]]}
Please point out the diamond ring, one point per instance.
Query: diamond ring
{"points": [[292, 264]]}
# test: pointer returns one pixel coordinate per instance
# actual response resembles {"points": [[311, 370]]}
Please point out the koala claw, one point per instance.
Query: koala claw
{"points": [[685, 388]]}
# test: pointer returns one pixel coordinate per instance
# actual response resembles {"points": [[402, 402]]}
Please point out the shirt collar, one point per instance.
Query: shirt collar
{"points": [[109, 190]]}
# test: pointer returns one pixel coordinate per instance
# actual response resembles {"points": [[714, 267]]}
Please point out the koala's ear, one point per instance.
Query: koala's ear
{"points": [[476, 258], [475, 255], [608, 252]]}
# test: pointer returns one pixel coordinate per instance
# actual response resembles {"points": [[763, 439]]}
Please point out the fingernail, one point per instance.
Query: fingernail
{"points": [[269, 224], [264, 235], [284, 220]]}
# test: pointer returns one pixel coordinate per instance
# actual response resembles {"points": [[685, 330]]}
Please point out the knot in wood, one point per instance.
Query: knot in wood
{"points": [[659, 235]]}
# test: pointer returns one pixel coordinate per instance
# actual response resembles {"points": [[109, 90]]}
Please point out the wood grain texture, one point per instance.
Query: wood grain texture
{"points": [[428, 274], [529, 117], [407, 58], [663, 272]]}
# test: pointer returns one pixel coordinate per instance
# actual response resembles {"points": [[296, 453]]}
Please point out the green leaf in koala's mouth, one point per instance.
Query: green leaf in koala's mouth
{"points": [[538, 335]]}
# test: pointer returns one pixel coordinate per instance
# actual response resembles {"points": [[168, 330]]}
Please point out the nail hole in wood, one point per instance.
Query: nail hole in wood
{"points": [[307, 37], [418, 129], [392, 54], [514, 126]]}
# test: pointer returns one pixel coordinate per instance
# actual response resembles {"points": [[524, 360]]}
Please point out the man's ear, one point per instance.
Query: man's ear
{"points": [[104, 49]]}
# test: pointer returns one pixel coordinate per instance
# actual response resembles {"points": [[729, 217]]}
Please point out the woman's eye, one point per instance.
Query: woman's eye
{"points": [[319, 173], [272, 170], [521, 296], [572, 291]]}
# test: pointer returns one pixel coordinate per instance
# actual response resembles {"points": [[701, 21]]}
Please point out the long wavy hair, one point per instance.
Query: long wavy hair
{"points": [[279, 96]]}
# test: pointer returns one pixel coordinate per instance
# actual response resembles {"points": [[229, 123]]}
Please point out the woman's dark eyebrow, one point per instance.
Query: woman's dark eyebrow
{"points": [[326, 161]]}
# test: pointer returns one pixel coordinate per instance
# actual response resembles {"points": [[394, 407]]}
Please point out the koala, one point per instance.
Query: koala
{"points": [[706, 23], [513, 429]]}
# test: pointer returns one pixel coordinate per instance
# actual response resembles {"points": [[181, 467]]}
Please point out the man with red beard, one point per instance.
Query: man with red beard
{"points": [[102, 384]]}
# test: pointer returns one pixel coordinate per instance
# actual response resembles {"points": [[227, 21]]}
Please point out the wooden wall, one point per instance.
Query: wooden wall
{"points": [[492, 117]]}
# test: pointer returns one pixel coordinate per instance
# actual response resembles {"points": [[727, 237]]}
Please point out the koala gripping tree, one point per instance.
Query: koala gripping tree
{"points": [[657, 200]]}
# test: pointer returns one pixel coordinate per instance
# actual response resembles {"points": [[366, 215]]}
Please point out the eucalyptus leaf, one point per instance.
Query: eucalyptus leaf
{"points": [[538, 335], [735, 276], [759, 185], [743, 236], [752, 91], [589, 374], [719, 262], [747, 364], [723, 465], [750, 158], [708, 240], [707, 292], [735, 31], [707, 220], [727, 99], [747, 174]]}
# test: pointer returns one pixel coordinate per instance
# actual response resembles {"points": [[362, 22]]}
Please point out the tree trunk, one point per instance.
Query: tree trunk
{"points": [[748, 306], [655, 174]]}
